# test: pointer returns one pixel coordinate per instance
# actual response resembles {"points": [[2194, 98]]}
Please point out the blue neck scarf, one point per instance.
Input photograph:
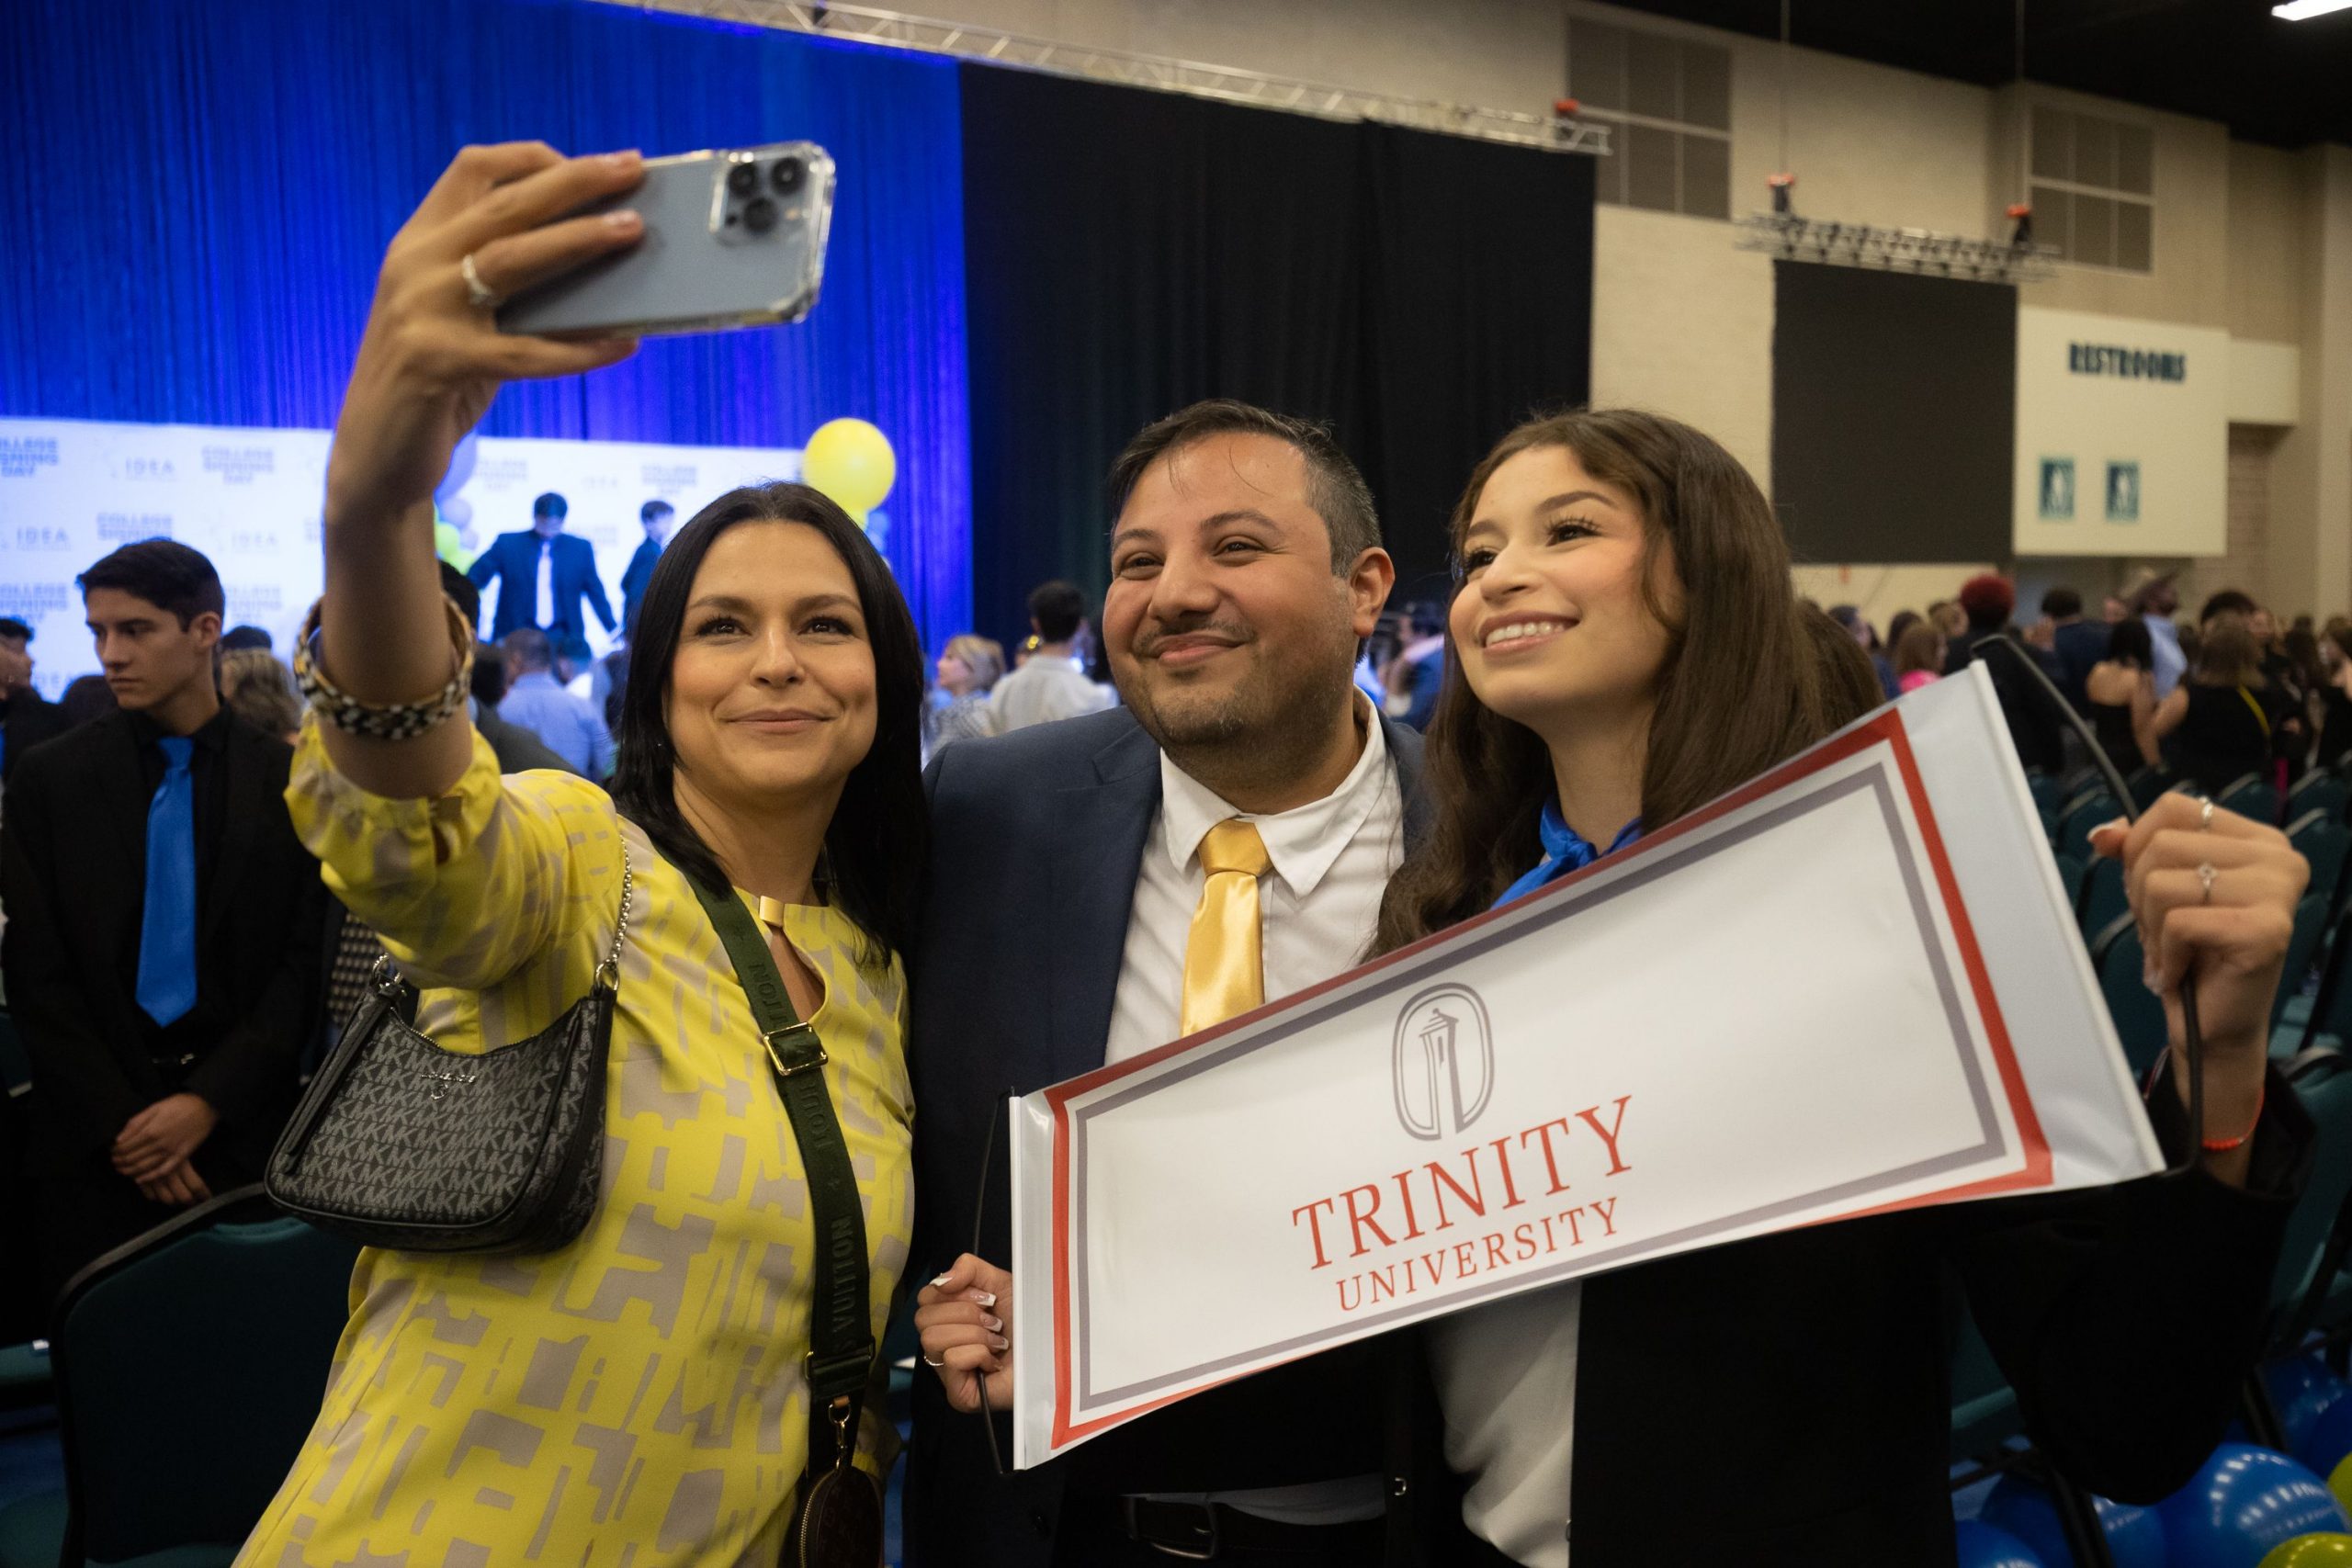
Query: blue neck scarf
{"points": [[1564, 849]]}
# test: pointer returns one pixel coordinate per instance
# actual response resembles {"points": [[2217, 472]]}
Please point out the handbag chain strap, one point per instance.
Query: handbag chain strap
{"points": [[841, 1330], [386, 974]]}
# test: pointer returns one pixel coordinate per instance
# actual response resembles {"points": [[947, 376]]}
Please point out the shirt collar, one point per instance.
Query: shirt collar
{"points": [[533, 678], [210, 736], [1301, 843]]}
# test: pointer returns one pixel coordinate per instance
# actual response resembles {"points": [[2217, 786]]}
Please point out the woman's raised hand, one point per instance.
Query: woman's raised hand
{"points": [[962, 1318], [432, 357]]}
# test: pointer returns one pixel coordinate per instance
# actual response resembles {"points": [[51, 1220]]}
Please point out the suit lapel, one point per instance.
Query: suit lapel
{"points": [[119, 785], [1103, 828], [1406, 750], [238, 774]]}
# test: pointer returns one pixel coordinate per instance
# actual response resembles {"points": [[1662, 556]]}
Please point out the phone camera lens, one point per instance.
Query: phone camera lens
{"points": [[787, 173], [742, 179], [759, 214]]}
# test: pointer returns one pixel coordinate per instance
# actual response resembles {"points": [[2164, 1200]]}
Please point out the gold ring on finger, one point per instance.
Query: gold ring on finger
{"points": [[480, 295], [2205, 821], [2205, 873]]}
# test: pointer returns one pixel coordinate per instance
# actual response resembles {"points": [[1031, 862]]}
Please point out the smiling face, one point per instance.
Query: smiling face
{"points": [[1551, 623], [1224, 622], [772, 692]]}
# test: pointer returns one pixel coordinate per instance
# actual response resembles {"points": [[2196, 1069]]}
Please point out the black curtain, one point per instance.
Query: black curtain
{"points": [[1129, 251]]}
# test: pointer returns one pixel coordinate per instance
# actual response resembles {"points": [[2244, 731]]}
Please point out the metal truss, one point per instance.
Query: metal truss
{"points": [[890, 29], [1793, 238]]}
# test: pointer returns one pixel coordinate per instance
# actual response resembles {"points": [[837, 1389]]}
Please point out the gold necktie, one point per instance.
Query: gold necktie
{"points": [[1223, 973]]}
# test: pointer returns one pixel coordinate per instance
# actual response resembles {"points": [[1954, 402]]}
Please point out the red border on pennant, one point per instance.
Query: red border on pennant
{"points": [[1886, 726]]}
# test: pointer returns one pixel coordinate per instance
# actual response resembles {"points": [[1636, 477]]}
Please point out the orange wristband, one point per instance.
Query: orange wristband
{"points": [[2223, 1145]]}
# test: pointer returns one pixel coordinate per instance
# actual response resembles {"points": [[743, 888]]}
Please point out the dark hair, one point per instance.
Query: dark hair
{"points": [[550, 505], [2062, 601], [2229, 656], [15, 629], [86, 697], [527, 648], [657, 507], [2228, 601], [1922, 648], [1334, 487], [2130, 643], [462, 593], [165, 573], [1750, 676], [1987, 600], [489, 681], [877, 841], [236, 640], [1904, 621], [1057, 607]]}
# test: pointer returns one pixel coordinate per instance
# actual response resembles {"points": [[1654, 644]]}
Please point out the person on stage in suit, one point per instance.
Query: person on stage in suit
{"points": [[1244, 784], [162, 946], [27, 718], [1668, 663], [656, 516], [542, 575]]}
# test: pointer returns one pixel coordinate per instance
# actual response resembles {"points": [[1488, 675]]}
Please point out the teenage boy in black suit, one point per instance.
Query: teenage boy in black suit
{"points": [[163, 923]]}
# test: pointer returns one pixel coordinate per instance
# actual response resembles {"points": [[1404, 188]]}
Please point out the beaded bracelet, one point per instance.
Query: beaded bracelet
{"points": [[383, 721]]}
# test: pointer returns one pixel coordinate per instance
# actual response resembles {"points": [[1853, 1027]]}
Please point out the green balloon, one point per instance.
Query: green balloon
{"points": [[2329, 1549]]}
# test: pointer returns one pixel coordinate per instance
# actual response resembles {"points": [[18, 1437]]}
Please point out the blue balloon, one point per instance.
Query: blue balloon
{"points": [[2302, 1389], [2135, 1536], [1982, 1546], [2024, 1508], [2327, 1439], [2246, 1501]]}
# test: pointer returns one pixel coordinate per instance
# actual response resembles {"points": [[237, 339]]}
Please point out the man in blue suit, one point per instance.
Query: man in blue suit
{"points": [[542, 575], [1068, 864]]}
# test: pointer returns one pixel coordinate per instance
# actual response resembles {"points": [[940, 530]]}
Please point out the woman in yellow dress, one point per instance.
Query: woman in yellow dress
{"points": [[637, 1396]]}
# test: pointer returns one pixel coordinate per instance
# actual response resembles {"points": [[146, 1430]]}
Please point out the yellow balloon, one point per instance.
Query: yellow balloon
{"points": [[2325, 1551], [851, 462], [2340, 1482]]}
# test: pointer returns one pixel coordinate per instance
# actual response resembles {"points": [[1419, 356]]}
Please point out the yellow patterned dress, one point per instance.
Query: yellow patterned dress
{"points": [[636, 1398]]}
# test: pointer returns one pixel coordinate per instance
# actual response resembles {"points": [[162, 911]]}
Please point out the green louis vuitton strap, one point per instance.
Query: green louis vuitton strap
{"points": [[841, 1333]]}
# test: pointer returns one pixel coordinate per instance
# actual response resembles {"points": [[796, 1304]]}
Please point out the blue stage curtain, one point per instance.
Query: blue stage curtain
{"points": [[200, 194]]}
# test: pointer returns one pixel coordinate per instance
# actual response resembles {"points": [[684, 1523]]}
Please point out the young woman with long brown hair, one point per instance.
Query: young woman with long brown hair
{"points": [[1625, 647]]}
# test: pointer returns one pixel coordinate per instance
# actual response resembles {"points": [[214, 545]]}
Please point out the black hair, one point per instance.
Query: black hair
{"points": [[86, 697], [877, 840], [657, 507], [527, 648], [165, 573], [1057, 607], [2130, 643], [15, 629], [2228, 601], [550, 505], [463, 593], [2062, 601], [237, 638], [1334, 486]]}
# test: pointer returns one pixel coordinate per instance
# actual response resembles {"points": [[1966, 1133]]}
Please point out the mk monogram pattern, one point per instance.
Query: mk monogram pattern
{"points": [[636, 1397]]}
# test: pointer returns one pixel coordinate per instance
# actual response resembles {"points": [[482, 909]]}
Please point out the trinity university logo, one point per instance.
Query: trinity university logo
{"points": [[1443, 1062]]}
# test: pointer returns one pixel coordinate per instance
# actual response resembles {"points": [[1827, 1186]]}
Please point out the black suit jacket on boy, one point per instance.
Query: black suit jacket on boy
{"points": [[1037, 838], [72, 876]]}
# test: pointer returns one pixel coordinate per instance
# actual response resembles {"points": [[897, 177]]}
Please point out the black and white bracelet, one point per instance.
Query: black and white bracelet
{"points": [[387, 721]]}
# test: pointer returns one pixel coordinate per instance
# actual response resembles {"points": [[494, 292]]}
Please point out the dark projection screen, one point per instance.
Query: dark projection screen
{"points": [[1893, 414]]}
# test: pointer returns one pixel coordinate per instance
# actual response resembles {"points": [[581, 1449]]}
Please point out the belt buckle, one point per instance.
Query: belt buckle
{"points": [[1168, 1549]]}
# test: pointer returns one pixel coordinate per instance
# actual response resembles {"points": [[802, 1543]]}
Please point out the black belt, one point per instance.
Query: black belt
{"points": [[1204, 1533]]}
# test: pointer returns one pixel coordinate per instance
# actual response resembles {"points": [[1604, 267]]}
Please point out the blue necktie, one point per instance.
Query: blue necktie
{"points": [[167, 926]]}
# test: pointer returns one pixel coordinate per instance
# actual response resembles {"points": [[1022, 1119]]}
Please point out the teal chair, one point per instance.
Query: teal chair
{"points": [[2049, 795], [2082, 814], [2320, 790], [2302, 951], [189, 1364], [2147, 784], [2250, 796], [2321, 840], [2139, 1016], [1985, 1414], [2313, 1254], [2326, 1015], [2102, 898]]}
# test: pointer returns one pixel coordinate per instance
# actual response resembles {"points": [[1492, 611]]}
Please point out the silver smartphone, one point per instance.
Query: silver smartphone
{"points": [[733, 239]]}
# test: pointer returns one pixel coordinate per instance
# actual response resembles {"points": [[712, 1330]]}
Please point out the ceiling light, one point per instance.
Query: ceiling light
{"points": [[2303, 10]]}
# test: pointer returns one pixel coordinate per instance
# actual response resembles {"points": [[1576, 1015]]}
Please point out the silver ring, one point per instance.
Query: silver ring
{"points": [[929, 1362], [2205, 818], [2205, 873], [480, 295]]}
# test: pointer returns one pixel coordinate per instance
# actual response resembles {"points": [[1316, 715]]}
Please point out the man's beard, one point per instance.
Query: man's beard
{"points": [[1270, 716]]}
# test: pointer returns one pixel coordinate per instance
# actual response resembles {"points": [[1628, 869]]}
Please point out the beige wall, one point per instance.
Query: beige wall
{"points": [[2254, 241]]}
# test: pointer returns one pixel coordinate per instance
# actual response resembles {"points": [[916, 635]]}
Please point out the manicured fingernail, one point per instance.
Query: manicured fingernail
{"points": [[997, 1342], [982, 1298], [940, 1279], [996, 1325], [624, 160], [624, 217]]}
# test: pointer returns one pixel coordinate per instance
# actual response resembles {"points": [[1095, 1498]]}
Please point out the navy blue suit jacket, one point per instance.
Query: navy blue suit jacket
{"points": [[1036, 842], [514, 558]]}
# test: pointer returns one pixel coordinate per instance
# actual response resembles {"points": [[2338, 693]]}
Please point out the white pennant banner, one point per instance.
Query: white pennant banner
{"points": [[1852, 986]]}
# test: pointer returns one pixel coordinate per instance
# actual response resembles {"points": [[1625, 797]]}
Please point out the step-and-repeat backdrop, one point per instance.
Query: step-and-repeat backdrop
{"points": [[71, 491]]}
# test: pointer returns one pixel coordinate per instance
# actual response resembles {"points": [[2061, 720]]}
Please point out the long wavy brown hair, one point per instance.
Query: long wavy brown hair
{"points": [[1752, 674]]}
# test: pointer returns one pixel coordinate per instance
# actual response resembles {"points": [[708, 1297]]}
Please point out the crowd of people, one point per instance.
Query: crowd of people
{"points": [[1085, 871]]}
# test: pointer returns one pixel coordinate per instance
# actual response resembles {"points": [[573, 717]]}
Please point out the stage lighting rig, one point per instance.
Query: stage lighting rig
{"points": [[1782, 232]]}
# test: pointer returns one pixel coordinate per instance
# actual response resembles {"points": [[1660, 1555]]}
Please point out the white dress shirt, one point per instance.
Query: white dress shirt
{"points": [[1506, 1376], [1318, 909], [1046, 688], [543, 607]]}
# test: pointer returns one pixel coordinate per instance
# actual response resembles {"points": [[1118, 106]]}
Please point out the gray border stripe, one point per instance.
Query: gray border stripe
{"points": [[1406, 976]]}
